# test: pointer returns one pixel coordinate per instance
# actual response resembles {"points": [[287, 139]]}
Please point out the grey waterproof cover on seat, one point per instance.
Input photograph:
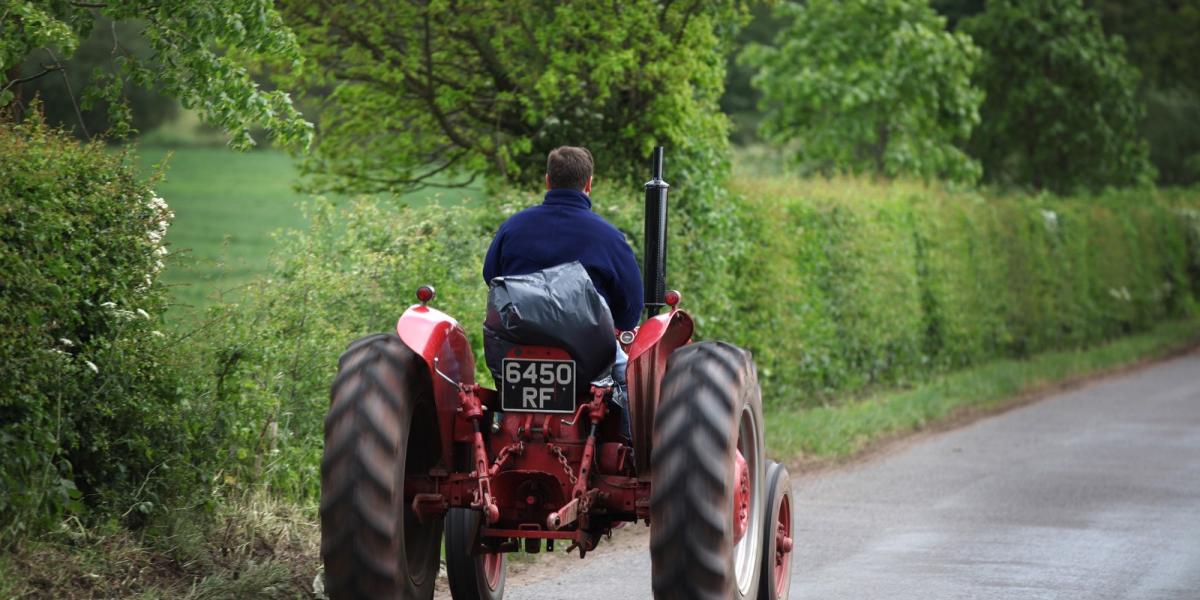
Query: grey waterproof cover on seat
{"points": [[556, 307]]}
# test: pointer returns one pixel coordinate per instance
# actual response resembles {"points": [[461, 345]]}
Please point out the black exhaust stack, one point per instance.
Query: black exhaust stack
{"points": [[654, 271]]}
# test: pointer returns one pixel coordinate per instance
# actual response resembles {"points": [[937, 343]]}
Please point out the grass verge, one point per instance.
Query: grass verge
{"points": [[843, 430]]}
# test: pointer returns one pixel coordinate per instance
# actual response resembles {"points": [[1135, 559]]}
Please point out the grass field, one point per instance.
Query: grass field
{"points": [[227, 206]]}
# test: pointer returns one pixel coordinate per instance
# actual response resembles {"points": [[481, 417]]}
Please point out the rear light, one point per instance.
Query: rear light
{"points": [[425, 293], [672, 298]]}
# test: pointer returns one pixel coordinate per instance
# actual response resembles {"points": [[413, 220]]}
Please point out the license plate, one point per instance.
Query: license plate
{"points": [[538, 385]]}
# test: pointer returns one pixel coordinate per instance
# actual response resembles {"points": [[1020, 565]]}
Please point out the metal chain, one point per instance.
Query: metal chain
{"points": [[562, 458]]}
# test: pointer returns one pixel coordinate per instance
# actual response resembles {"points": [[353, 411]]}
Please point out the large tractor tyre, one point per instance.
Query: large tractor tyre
{"points": [[473, 574], [776, 578], [381, 425], [706, 511]]}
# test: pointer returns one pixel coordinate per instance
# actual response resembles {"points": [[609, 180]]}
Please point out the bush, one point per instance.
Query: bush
{"points": [[270, 359], [88, 394]]}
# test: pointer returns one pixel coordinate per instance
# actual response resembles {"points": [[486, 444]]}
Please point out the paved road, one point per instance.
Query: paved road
{"points": [[1091, 494]]}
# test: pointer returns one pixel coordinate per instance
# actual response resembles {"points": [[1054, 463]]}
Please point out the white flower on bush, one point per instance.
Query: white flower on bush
{"points": [[120, 313], [91, 365], [160, 220], [1121, 293], [1050, 219], [66, 342]]}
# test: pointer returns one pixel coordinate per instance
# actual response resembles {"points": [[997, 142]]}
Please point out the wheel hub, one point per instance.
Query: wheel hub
{"points": [[493, 569], [741, 498], [783, 547]]}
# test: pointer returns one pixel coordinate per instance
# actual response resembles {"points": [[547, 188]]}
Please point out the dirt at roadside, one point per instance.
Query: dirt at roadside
{"points": [[526, 569]]}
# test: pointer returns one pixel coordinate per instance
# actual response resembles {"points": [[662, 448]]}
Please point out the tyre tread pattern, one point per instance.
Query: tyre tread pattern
{"points": [[695, 437], [464, 570], [379, 382], [778, 485]]}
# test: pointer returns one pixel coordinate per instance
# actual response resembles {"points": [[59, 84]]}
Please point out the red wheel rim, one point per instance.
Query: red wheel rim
{"points": [[783, 546], [741, 498], [493, 567]]}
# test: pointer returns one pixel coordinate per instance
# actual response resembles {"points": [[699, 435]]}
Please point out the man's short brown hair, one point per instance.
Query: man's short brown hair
{"points": [[569, 167]]}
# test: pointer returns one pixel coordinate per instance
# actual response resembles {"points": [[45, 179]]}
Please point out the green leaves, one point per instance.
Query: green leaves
{"points": [[1062, 107], [440, 94], [855, 285], [200, 53], [870, 86], [88, 397]]}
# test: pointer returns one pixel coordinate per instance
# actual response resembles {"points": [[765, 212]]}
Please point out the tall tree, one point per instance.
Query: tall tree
{"points": [[1162, 38], [62, 92], [870, 86], [1062, 109], [740, 98], [199, 53], [1163, 43], [441, 93]]}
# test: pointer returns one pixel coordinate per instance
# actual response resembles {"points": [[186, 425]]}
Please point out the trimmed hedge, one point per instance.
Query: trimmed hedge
{"points": [[88, 397], [861, 284]]}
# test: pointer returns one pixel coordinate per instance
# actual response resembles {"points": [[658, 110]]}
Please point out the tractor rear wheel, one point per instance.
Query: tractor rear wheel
{"points": [[706, 508], [381, 425], [776, 578], [473, 574]]}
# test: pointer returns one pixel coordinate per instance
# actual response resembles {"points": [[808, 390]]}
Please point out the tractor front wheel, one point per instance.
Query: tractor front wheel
{"points": [[706, 499], [381, 425], [776, 578], [474, 573]]}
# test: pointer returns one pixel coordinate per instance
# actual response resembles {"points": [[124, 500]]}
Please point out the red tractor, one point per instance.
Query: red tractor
{"points": [[417, 453]]}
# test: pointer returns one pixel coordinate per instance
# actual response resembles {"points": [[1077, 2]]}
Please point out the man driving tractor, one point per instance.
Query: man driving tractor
{"points": [[422, 463], [563, 229]]}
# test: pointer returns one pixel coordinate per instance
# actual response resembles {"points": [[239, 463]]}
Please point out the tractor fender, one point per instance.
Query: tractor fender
{"points": [[442, 343], [656, 339]]}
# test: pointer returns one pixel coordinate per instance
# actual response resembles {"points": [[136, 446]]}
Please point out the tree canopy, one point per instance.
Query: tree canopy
{"points": [[1062, 109], [443, 92], [870, 86], [199, 52], [1160, 37]]}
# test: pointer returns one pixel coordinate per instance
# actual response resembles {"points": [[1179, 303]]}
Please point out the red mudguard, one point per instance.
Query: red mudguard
{"points": [[656, 339], [442, 343]]}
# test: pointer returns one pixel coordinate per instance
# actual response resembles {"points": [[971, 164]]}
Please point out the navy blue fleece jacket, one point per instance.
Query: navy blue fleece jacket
{"points": [[562, 229]]}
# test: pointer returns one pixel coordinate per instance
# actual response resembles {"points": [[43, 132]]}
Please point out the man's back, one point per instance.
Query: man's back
{"points": [[563, 229]]}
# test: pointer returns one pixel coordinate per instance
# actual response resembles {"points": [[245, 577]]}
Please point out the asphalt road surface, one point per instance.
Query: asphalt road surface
{"points": [[1091, 494]]}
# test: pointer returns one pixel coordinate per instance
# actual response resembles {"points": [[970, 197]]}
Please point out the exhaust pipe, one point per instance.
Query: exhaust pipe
{"points": [[654, 271]]}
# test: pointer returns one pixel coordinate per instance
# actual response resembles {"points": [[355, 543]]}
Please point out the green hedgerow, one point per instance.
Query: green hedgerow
{"points": [[88, 393]]}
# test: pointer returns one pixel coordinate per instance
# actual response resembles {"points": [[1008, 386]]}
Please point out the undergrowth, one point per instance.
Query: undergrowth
{"points": [[254, 547]]}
